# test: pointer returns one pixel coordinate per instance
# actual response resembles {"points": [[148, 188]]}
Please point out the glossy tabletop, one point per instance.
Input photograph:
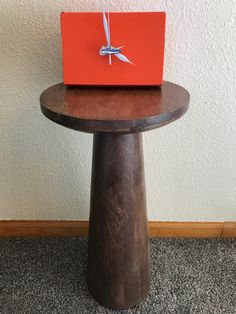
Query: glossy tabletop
{"points": [[114, 109]]}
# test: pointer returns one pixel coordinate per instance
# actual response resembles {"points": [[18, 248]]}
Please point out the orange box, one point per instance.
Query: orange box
{"points": [[113, 48]]}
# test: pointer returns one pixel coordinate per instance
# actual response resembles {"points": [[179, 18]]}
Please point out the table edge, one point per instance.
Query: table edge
{"points": [[109, 126]]}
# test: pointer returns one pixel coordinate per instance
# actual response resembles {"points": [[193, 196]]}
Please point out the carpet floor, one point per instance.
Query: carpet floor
{"points": [[48, 275]]}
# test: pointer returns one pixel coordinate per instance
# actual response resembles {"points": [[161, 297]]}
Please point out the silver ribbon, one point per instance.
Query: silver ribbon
{"points": [[109, 50]]}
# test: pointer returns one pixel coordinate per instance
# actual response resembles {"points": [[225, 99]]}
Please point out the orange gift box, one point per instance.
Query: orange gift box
{"points": [[113, 48]]}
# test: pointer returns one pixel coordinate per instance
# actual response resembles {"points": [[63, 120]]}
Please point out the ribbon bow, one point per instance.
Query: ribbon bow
{"points": [[109, 50]]}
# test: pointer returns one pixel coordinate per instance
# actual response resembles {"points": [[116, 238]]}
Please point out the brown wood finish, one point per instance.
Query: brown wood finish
{"points": [[118, 263], [229, 230], [41, 228], [118, 254], [114, 109], [71, 228], [185, 229]]}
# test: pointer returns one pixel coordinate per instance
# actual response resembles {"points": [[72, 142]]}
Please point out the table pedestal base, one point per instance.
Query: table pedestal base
{"points": [[118, 247]]}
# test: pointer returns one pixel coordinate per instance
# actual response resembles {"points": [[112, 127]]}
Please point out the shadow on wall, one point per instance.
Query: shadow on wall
{"points": [[45, 173]]}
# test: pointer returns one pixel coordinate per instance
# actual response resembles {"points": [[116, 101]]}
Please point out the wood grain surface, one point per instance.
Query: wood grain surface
{"points": [[118, 249], [114, 109]]}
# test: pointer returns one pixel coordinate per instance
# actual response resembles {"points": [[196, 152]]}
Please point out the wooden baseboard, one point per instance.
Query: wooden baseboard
{"points": [[43, 228], [185, 229], [229, 230], [35, 228]]}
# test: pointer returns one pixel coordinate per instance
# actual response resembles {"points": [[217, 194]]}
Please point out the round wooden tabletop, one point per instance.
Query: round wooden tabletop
{"points": [[114, 109]]}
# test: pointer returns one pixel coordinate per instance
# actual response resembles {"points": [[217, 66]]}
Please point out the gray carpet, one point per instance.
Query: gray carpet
{"points": [[48, 275]]}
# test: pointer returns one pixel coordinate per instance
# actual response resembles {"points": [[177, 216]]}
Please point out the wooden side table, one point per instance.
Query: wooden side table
{"points": [[118, 249]]}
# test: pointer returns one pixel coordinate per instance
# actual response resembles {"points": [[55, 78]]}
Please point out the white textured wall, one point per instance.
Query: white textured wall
{"points": [[190, 164]]}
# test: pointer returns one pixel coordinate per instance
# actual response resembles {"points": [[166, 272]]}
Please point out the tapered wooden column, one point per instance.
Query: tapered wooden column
{"points": [[118, 256]]}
